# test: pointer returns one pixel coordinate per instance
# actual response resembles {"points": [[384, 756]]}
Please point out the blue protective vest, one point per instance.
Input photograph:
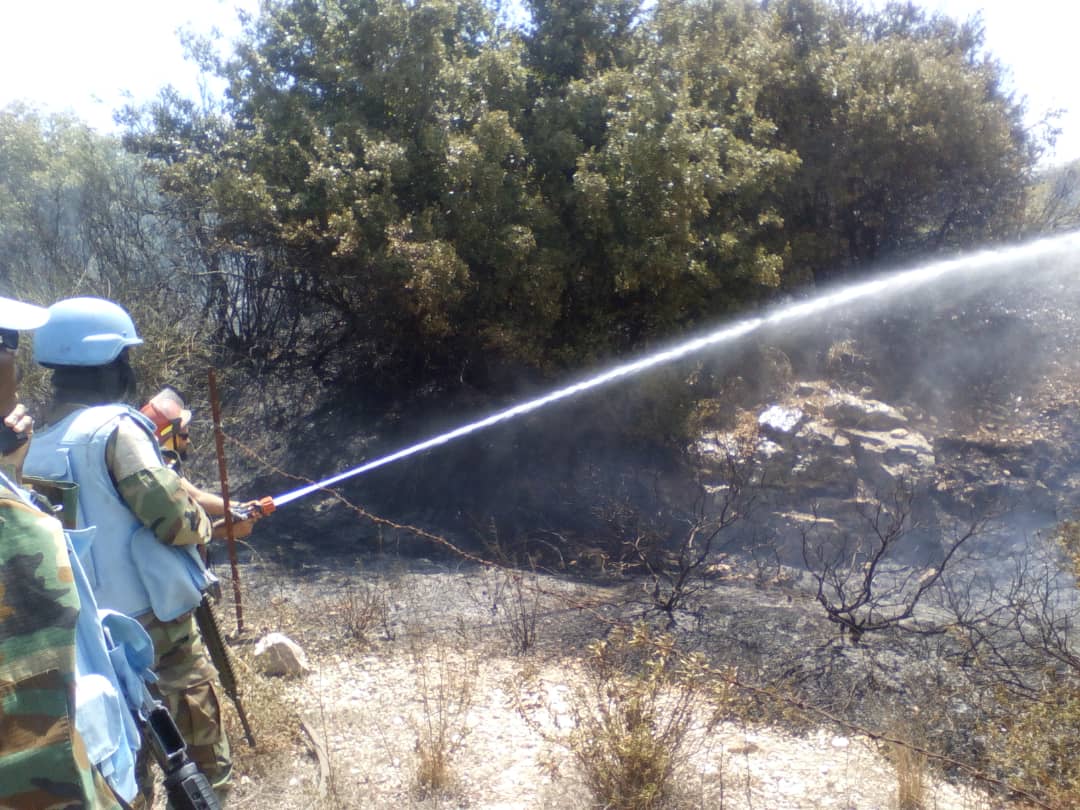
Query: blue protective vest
{"points": [[129, 569], [113, 655]]}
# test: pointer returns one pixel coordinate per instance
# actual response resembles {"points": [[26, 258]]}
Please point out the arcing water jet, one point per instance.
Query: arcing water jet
{"points": [[981, 264]]}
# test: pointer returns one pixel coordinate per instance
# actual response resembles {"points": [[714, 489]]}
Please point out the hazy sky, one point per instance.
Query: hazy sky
{"points": [[90, 56], [1037, 41]]}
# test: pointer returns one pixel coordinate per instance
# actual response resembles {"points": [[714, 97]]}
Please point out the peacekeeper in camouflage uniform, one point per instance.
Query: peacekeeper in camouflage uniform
{"points": [[145, 558], [172, 423], [67, 736]]}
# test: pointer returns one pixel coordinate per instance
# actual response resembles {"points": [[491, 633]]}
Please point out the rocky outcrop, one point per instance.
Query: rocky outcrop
{"points": [[816, 461], [1004, 473], [826, 441]]}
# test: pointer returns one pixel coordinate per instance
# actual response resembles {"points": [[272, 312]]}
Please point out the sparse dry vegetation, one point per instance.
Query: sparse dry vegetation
{"points": [[912, 775], [513, 599], [633, 716], [441, 713], [852, 585], [1033, 740], [445, 685], [364, 611]]}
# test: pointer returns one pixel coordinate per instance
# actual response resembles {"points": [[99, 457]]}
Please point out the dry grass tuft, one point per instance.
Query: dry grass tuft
{"points": [[365, 611], [911, 777], [446, 675], [633, 717], [512, 597]]}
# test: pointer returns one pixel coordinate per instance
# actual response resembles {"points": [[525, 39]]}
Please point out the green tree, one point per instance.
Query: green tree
{"points": [[373, 158], [669, 204], [1055, 200], [909, 143], [576, 39], [412, 187]]}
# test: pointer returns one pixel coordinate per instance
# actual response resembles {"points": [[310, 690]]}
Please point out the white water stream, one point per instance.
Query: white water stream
{"points": [[979, 267]]}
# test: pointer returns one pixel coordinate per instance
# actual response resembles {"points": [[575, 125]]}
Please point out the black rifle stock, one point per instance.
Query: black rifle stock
{"points": [[215, 645], [186, 786]]}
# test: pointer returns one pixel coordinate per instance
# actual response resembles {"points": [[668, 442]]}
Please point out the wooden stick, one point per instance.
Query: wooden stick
{"points": [[230, 538]]}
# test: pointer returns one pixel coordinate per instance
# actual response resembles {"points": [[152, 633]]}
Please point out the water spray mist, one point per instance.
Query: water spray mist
{"points": [[981, 264]]}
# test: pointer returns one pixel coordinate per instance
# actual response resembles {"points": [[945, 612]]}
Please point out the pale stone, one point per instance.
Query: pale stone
{"points": [[277, 654], [778, 419], [869, 414]]}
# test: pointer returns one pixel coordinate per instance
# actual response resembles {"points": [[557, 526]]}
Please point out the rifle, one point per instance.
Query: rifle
{"points": [[215, 645], [187, 787]]}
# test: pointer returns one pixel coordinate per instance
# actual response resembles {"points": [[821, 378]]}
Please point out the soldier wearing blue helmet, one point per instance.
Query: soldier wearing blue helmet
{"points": [[70, 672], [145, 561]]}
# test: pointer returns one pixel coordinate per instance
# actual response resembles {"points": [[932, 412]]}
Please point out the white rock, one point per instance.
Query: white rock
{"points": [[277, 654], [780, 420]]}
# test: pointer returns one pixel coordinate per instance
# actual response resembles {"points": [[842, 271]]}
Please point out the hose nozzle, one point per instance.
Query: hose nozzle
{"points": [[262, 507]]}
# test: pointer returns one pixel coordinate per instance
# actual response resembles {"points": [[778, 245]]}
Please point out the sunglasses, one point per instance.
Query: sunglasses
{"points": [[183, 435], [9, 339]]}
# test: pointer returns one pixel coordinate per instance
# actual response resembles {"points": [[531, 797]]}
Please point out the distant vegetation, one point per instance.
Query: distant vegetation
{"points": [[1055, 199]]}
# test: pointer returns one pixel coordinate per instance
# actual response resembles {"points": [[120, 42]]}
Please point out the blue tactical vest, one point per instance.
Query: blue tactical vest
{"points": [[113, 655], [129, 569]]}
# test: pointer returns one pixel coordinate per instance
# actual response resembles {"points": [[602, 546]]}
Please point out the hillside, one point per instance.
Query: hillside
{"points": [[444, 675]]}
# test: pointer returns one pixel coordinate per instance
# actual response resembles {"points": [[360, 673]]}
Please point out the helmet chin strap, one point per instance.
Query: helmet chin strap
{"points": [[174, 445], [170, 440]]}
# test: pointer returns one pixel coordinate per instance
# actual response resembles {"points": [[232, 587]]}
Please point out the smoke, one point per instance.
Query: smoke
{"points": [[963, 343]]}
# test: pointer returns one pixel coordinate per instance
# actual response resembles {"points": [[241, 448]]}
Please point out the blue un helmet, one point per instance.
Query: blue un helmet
{"points": [[84, 332]]}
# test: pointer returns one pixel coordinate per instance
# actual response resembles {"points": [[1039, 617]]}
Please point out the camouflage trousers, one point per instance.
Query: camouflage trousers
{"points": [[188, 685]]}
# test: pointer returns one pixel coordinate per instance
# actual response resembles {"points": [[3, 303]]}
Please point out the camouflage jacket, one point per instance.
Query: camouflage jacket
{"points": [[43, 760], [150, 486]]}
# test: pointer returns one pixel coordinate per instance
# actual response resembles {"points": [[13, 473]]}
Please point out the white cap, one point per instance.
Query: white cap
{"points": [[19, 316]]}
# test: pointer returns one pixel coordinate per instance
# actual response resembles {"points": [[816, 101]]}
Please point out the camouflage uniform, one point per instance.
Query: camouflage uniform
{"points": [[188, 681], [189, 686], [43, 761]]}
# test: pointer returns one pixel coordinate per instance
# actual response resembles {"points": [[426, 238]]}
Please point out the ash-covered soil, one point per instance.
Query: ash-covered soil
{"points": [[440, 654]]}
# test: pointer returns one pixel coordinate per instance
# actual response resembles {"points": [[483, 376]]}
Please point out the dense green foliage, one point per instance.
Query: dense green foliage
{"points": [[908, 142], [423, 191]]}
